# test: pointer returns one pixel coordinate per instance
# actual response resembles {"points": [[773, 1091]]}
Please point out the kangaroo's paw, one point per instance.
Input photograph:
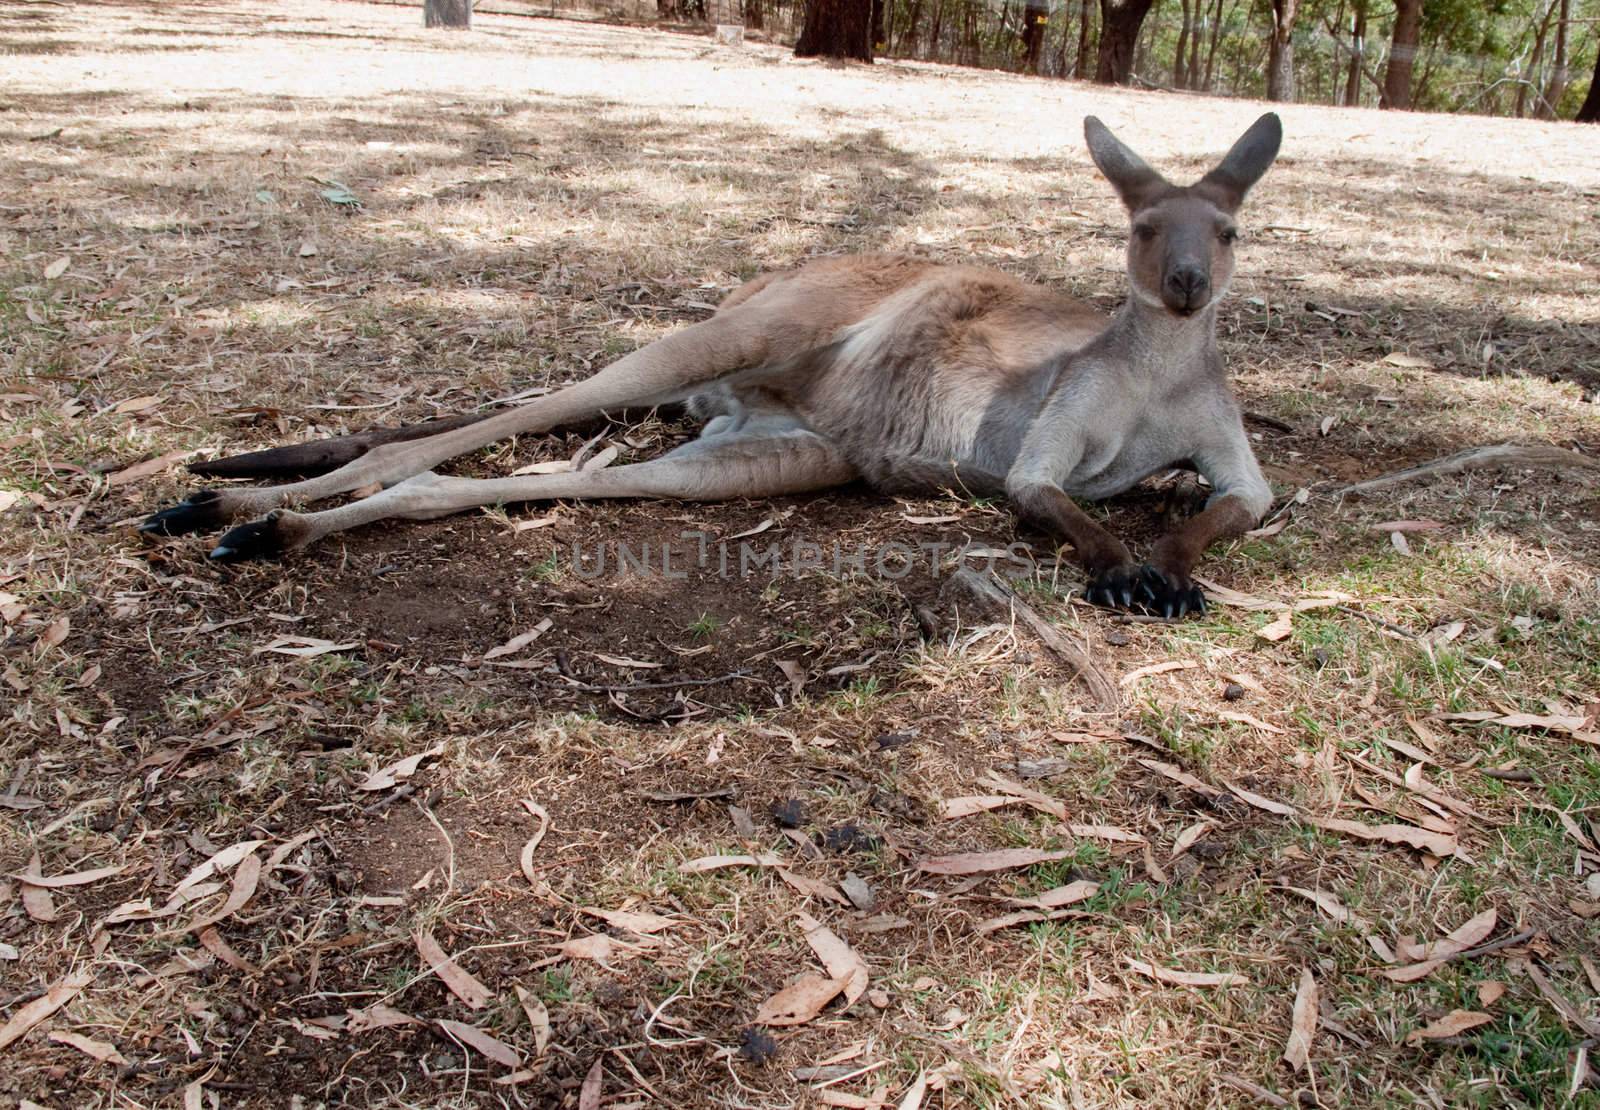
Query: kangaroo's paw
{"points": [[275, 534], [1177, 601], [200, 513], [1128, 586], [1144, 589]]}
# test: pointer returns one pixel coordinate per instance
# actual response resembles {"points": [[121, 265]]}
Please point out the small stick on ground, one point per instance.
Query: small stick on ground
{"points": [[989, 590], [1496, 945], [1240, 1083], [1476, 458], [629, 687]]}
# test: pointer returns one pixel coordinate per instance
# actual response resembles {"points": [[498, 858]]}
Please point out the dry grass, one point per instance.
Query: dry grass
{"points": [[538, 197]]}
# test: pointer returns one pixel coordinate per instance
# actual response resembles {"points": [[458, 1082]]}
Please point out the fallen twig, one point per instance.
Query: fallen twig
{"points": [[401, 792], [1516, 774], [1240, 1083], [1495, 945], [989, 590], [624, 688], [1475, 458]]}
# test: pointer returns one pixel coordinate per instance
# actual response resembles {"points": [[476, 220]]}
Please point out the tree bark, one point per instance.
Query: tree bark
{"points": [[908, 36], [1358, 47], [1556, 87], [1145, 41], [1280, 50], [1065, 41], [1211, 48], [1034, 17], [1541, 28], [447, 13], [1402, 55], [1590, 111], [836, 29], [1194, 44], [1080, 64], [1180, 56], [1120, 21]]}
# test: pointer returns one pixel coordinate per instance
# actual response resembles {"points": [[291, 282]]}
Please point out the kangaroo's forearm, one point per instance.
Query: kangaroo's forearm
{"points": [[1050, 507], [1176, 553]]}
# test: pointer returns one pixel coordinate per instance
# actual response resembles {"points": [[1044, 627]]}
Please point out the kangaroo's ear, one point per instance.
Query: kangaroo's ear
{"points": [[1243, 166], [1136, 183]]}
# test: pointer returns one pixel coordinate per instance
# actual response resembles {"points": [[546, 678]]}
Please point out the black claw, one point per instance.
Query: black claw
{"points": [[199, 513], [258, 539], [1144, 589]]}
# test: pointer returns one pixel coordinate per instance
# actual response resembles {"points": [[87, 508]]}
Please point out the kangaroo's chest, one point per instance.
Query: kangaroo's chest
{"points": [[1128, 439]]}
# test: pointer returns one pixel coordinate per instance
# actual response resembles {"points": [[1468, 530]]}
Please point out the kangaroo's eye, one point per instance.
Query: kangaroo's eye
{"points": [[1145, 232], [1229, 234]]}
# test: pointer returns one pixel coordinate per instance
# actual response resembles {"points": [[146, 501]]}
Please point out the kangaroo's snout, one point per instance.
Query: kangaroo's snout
{"points": [[1187, 288]]}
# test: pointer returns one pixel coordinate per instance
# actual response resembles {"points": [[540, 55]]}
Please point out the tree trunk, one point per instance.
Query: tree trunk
{"points": [[1211, 48], [1195, 35], [1180, 56], [1541, 28], [1402, 55], [1556, 87], [1590, 111], [1358, 47], [447, 13], [1080, 64], [1146, 40], [1034, 18], [752, 14], [1120, 21], [1065, 41], [908, 37], [836, 29], [1280, 50]]}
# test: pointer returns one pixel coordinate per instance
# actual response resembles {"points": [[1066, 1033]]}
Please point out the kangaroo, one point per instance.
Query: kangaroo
{"points": [[914, 376]]}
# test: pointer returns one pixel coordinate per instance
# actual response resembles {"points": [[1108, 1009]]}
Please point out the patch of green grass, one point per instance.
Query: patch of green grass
{"points": [[1192, 740], [554, 986], [802, 636], [860, 695], [704, 625], [1089, 860], [549, 569]]}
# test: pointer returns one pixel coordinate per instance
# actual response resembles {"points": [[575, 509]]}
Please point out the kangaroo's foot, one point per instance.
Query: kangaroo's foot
{"points": [[275, 534], [1143, 588], [201, 512]]}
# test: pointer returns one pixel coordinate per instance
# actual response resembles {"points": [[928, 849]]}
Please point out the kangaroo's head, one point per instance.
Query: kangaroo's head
{"points": [[1180, 254]]}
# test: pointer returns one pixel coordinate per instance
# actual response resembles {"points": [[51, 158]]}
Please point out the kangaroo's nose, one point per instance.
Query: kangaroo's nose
{"points": [[1187, 289]]}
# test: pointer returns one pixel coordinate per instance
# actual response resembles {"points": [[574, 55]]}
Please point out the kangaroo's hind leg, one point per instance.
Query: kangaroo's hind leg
{"points": [[778, 320], [761, 461]]}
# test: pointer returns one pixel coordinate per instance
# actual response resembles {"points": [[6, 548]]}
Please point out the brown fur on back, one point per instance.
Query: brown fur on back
{"points": [[893, 358]]}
